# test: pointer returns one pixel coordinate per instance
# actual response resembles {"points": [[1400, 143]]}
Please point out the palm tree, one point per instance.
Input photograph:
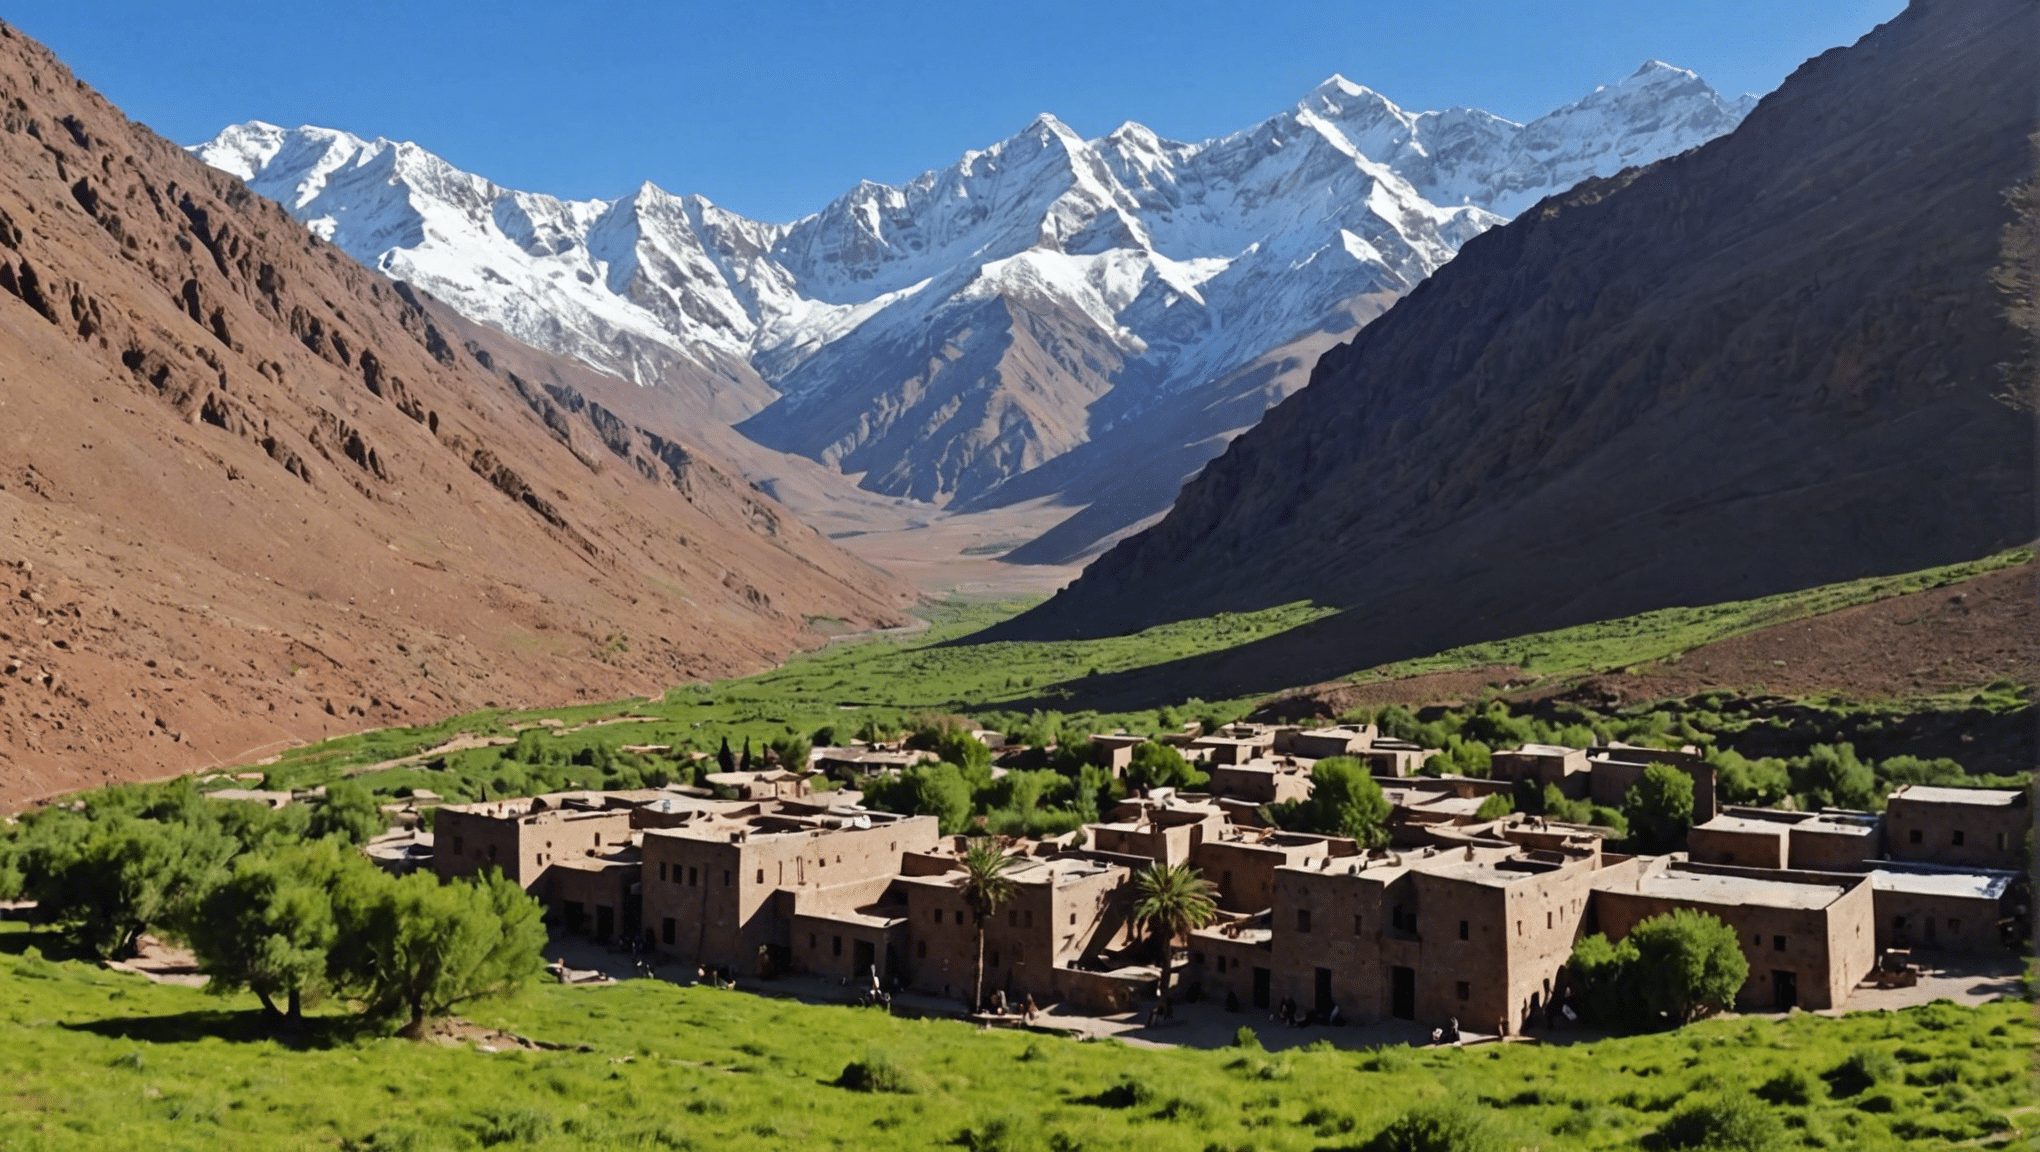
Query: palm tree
{"points": [[1174, 901], [985, 887]]}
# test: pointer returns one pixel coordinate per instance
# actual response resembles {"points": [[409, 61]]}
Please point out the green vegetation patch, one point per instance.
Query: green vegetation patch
{"points": [[96, 1059]]}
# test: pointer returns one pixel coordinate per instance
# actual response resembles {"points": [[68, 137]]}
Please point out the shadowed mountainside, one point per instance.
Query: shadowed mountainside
{"points": [[1769, 363], [256, 494]]}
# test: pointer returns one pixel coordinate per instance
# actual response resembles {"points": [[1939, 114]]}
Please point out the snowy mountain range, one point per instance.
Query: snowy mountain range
{"points": [[943, 339]]}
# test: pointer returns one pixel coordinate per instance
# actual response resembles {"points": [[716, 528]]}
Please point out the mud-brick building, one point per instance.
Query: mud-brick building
{"points": [[1070, 916], [725, 891], [1809, 937], [1323, 743], [1477, 933], [1260, 781], [1162, 826], [1961, 827], [523, 838], [1937, 909], [1242, 862], [1763, 838]]}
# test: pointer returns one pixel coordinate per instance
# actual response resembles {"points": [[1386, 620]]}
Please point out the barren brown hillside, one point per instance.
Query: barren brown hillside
{"points": [[1948, 639], [253, 494]]}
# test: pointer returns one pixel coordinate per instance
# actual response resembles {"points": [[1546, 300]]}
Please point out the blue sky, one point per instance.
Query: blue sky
{"points": [[772, 107]]}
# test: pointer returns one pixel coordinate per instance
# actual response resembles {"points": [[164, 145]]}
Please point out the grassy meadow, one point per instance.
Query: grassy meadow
{"points": [[94, 1059]]}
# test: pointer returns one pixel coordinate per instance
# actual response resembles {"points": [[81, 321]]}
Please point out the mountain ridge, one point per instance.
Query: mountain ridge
{"points": [[1177, 264]]}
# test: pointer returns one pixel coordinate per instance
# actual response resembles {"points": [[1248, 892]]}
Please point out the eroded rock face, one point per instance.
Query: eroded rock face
{"points": [[1769, 363], [252, 493]]}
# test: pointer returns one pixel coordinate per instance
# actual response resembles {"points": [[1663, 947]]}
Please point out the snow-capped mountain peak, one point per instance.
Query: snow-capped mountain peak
{"points": [[1122, 270]]}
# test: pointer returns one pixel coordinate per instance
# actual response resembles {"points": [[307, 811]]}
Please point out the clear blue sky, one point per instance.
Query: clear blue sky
{"points": [[773, 107]]}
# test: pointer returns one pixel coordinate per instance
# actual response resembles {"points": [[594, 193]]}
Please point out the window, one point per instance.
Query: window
{"points": [[995, 959], [1073, 917], [938, 915], [1197, 959], [666, 930], [1777, 943], [1225, 880], [1954, 925], [1955, 837], [537, 858], [1756, 938], [761, 875], [1519, 927], [1898, 924], [2001, 841], [1356, 924], [726, 876], [598, 839], [1219, 964], [835, 946], [1547, 918], [662, 870], [1303, 919], [1401, 920], [810, 939], [1462, 930], [1913, 837], [1012, 918], [693, 876], [1463, 990], [1027, 919]]}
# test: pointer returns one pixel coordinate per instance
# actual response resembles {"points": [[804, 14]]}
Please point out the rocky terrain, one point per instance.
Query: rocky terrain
{"points": [[253, 493], [1051, 321], [1772, 362]]}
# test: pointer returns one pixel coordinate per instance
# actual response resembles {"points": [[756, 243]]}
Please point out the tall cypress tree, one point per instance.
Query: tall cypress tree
{"points": [[744, 765], [723, 760]]}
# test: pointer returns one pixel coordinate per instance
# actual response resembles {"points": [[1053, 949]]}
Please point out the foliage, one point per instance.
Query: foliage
{"points": [[1161, 766], [1495, 806], [1171, 901], [1344, 801], [1659, 809], [420, 948], [125, 876], [270, 928], [1834, 778], [350, 812], [875, 1073], [1441, 1126], [1729, 1122], [938, 790], [986, 888], [1689, 964]]}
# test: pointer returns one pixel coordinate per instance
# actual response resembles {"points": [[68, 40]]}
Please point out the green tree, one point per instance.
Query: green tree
{"points": [[1688, 964], [986, 888], [791, 752], [1161, 766], [1604, 983], [1172, 901], [1495, 807], [1344, 801], [270, 927], [349, 811], [1834, 778], [725, 760], [937, 790], [418, 949], [1659, 808], [128, 876]]}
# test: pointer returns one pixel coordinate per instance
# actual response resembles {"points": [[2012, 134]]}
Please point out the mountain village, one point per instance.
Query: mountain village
{"points": [[778, 872]]}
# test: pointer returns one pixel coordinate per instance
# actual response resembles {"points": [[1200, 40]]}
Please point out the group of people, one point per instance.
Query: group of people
{"points": [[1290, 1014], [997, 1005]]}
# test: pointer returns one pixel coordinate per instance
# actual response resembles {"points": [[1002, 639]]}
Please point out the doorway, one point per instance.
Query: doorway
{"points": [[1323, 1005], [1785, 988], [1260, 987], [605, 922], [1402, 993], [865, 957]]}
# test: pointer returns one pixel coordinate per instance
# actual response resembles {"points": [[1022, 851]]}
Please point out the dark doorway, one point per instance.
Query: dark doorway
{"points": [[633, 915], [576, 915], [1260, 987], [1927, 925], [866, 957], [1785, 987], [1402, 993], [605, 921], [1323, 1006]]}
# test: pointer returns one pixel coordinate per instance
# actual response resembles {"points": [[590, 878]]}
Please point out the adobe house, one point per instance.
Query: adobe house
{"points": [[1323, 743], [725, 891], [1939, 909], [852, 932], [523, 838], [1388, 757], [1162, 827], [1241, 862], [1615, 769], [1542, 764], [597, 894], [765, 784], [1069, 912], [1962, 827], [1828, 840], [1229, 749], [1809, 937], [1260, 781], [1114, 750], [849, 763]]}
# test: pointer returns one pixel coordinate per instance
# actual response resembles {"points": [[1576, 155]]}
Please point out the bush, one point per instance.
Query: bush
{"points": [[1730, 1123], [1864, 1069], [1794, 1087], [1440, 1127], [1246, 1038], [874, 1074]]}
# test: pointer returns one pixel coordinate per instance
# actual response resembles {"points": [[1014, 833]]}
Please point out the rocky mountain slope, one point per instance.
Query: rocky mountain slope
{"points": [[952, 339], [1772, 362], [254, 493]]}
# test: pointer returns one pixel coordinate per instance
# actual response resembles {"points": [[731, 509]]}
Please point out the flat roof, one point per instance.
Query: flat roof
{"points": [[1929, 794], [1714, 888], [1974, 885], [1743, 824]]}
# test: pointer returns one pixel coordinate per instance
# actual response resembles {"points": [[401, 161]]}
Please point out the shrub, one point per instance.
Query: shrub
{"points": [[1729, 1123], [874, 1073], [521, 1127], [1246, 1038], [1792, 1087], [1440, 1127], [1864, 1069]]}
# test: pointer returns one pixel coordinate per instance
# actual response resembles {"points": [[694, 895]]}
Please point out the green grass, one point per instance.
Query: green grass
{"points": [[94, 1059], [1613, 644]]}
